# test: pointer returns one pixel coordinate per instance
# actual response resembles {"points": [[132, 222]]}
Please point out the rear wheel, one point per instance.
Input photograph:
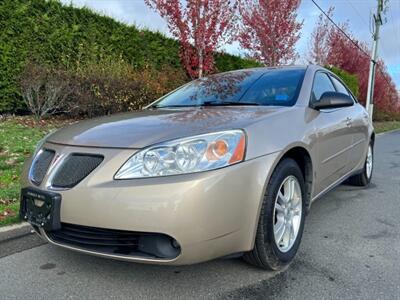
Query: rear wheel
{"points": [[281, 221], [364, 178]]}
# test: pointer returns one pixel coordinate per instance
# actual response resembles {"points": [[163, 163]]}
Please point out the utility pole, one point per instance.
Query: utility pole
{"points": [[371, 79]]}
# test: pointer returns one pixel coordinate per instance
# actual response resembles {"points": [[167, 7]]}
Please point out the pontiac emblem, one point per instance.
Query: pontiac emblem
{"points": [[38, 203]]}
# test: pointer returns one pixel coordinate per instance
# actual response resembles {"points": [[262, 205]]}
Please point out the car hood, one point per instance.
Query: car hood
{"points": [[147, 127]]}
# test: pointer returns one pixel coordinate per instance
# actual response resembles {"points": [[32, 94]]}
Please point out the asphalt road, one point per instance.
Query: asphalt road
{"points": [[350, 250]]}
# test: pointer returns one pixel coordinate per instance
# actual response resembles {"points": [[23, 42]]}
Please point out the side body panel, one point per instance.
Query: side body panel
{"points": [[334, 144]]}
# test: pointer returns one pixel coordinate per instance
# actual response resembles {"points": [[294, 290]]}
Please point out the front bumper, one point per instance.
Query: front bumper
{"points": [[210, 214]]}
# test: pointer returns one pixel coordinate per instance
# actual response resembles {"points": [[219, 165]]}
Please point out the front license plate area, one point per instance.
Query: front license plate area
{"points": [[41, 208]]}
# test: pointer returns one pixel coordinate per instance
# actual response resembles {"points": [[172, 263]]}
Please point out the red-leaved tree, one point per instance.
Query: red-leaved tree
{"points": [[201, 26], [319, 38], [269, 30], [353, 56]]}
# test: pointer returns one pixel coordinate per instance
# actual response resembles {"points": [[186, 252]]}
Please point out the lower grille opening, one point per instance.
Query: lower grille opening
{"points": [[117, 242]]}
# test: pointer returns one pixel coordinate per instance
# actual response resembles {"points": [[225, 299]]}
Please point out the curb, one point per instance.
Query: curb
{"points": [[13, 227], [13, 232], [386, 132]]}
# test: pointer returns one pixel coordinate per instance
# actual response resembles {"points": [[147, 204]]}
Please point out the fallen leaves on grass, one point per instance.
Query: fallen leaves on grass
{"points": [[48, 122], [4, 152], [7, 201], [11, 162], [6, 214]]}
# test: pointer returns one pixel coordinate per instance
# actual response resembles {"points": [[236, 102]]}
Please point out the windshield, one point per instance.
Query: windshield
{"points": [[278, 87]]}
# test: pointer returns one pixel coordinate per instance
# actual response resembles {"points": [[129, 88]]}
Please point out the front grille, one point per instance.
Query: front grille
{"points": [[117, 242], [74, 169], [40, 165]]}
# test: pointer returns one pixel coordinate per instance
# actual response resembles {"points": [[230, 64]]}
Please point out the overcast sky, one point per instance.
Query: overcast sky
{"points": [[356, 12]]}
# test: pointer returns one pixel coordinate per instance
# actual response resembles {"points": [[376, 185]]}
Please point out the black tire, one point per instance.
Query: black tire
{"points": [[362, 179], [266, 254]]}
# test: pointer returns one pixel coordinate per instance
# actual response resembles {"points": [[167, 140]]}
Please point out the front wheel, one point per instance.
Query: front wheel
{"points": [[364, 178], [281, 221]]}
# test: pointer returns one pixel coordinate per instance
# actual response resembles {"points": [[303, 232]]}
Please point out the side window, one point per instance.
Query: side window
{"points": [[339, 86], [321, 84]]}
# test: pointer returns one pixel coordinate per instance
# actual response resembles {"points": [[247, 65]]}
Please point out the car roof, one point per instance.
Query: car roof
{"points": [[310, 67], [262, 70], [284, 67]]}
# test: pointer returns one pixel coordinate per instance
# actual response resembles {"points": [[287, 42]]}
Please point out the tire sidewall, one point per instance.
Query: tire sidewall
{"points": [[290, 167], [368, 179]]}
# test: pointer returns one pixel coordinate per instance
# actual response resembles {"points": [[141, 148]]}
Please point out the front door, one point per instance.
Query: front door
{"points": [[333, 137]]}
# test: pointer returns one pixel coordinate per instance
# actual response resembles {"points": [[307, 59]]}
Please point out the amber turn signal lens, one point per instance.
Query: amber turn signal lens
{"points": [[217, 149], [238, 155]]}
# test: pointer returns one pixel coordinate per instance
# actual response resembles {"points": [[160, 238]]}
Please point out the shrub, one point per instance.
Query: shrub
{"points": [[99, 86], [60, 36], [385, 116], [112, 85], [227, 62], [45, 90]]}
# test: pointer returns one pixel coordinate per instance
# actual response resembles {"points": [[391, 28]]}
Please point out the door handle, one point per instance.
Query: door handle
{"points": [[348, 122]]}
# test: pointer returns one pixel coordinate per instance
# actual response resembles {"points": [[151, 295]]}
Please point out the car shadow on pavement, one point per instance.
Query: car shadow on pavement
{"points": [[200, 280]]}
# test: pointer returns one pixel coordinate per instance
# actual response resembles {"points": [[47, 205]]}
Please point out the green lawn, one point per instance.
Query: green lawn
{"points": [[386, 126], [19, 137]]}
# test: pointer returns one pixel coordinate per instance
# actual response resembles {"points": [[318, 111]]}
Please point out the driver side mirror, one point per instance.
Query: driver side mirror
{"points": [[332, 100]]}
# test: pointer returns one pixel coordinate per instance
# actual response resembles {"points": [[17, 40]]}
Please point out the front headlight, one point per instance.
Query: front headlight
{"points": [[188, 155]]}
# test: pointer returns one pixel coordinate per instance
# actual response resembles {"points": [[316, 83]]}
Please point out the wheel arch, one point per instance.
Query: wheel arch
{"points": [[372, 138], [303, 158], [299, 153]]}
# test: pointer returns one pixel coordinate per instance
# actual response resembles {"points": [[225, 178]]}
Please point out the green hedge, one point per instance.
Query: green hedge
{"points": [[64, 36]]}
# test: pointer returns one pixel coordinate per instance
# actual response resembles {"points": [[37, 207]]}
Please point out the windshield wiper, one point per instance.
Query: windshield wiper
{"points": [[211, 103], [168, 106], [228, 103]]}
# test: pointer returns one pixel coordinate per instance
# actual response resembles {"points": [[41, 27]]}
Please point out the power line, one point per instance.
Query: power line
{"points": [[358, 13], [340, 29], [350, 39]]}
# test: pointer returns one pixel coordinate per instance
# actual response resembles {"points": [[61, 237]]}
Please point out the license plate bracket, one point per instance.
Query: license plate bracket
{"points": [[41, 208]]}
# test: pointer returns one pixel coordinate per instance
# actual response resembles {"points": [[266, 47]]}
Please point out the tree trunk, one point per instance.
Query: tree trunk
{"points": [[201, 64]]}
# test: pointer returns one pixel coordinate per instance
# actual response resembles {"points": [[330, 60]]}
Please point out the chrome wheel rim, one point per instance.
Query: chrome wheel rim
{"points": [[369, 162], [287, 213]]}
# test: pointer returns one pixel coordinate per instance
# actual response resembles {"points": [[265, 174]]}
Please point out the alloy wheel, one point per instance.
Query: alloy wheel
{"points": [[369, 162], [287, 213]]}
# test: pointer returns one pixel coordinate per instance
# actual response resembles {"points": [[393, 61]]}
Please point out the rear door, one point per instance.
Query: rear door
{"points": [[334, 139]]}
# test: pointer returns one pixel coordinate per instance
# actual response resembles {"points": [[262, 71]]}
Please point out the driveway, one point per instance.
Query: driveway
{"points": [[350, 249]]}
